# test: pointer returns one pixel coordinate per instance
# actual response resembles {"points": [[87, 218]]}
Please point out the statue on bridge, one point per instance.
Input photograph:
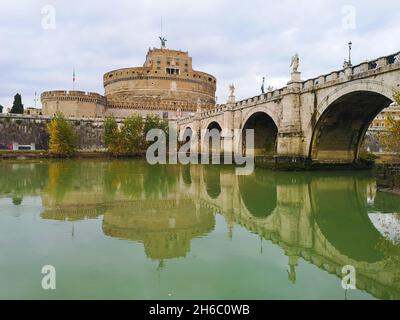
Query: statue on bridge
{"points": [[232, 90], [231, 98], [295, 63]]}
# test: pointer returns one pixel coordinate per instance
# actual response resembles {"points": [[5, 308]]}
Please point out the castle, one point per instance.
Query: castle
{"points": [[166, 85]]}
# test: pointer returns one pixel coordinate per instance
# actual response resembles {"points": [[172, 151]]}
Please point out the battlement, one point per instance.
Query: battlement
{"points": [[122, 73], [155, 104], [167, 51], [148, 73], [80, 96]]}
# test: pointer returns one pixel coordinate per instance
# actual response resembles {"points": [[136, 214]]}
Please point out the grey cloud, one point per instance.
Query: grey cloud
{"points": [[237, 41]]}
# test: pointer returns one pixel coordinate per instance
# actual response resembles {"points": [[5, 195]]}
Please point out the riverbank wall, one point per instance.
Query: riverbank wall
{"points": [[28, 129], [388, 177]]}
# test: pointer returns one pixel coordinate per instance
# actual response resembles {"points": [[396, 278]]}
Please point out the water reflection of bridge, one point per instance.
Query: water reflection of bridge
{"points": [[303, 216], [165, 210]]}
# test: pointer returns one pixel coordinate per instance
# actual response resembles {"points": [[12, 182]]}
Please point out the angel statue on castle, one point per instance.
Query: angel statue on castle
{"points": [[163, 41]]}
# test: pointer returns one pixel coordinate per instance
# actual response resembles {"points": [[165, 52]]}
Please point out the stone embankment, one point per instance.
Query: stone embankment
{"points": [[388, 177]]}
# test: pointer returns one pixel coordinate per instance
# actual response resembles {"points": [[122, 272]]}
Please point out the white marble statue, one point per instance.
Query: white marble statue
{"points": [[295, 63], [232, 90]]}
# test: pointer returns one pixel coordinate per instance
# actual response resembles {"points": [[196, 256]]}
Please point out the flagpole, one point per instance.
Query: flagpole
{"points": [[73, 80]]}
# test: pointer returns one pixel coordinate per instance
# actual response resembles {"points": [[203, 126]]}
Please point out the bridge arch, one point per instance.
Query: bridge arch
{"points": [[212, 181], [207, 146], [343, 117], [265, 126], [187, 134], [258, 193]]}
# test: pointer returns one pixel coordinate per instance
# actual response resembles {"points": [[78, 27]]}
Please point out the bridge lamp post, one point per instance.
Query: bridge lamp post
{"points": [[350, 45]]}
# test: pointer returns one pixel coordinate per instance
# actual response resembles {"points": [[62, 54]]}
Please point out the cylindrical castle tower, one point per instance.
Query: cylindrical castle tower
{"points": [[166, 82]]}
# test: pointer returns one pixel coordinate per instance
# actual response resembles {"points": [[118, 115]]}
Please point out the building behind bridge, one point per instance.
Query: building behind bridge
{"points": [[372, 142], [166, 85], [379, 123]]}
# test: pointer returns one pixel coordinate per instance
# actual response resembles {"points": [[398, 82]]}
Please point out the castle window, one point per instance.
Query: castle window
{"points": [[172, 71]]}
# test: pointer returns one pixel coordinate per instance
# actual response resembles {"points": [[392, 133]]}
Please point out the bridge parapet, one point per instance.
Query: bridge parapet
{"points": [[363, 69], [217, 110]]}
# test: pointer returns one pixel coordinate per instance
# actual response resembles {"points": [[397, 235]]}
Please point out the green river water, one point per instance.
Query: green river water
{"points": [[128, 230]]}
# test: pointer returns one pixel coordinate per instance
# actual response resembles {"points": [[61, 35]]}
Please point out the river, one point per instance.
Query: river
{"points": [[125, 229]]}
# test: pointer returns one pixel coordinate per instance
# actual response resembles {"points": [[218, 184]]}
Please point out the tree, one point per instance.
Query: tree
{"points": [[62, 138], [1, 108], [124, 141], [18, 107], [130, 139], [391, 137], [154, 122], [132, 135], [110, 132]]}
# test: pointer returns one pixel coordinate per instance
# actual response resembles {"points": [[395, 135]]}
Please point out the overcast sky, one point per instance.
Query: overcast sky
{"points": [[236, 41]]}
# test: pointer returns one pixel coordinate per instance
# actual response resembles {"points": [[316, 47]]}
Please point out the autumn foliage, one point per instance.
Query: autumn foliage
{"points": [[391, 138], [62, 138]]}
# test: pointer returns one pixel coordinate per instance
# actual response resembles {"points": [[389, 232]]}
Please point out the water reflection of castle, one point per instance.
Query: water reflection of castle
{"points": [[165, 227], [165, 210]]}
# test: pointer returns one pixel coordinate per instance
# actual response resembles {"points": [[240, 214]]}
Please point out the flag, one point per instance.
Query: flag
{"points": [[73, 80]]}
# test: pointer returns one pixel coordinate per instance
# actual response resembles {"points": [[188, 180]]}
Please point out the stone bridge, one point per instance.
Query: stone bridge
{"points": [[322, 119]]}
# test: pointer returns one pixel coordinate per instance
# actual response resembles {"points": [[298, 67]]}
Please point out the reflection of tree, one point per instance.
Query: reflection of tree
{"points": [[136, 178], [20, 179], [62, 174], [187, 178], [159, 180], [124, 177], [17, 200], [391, 252]]}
